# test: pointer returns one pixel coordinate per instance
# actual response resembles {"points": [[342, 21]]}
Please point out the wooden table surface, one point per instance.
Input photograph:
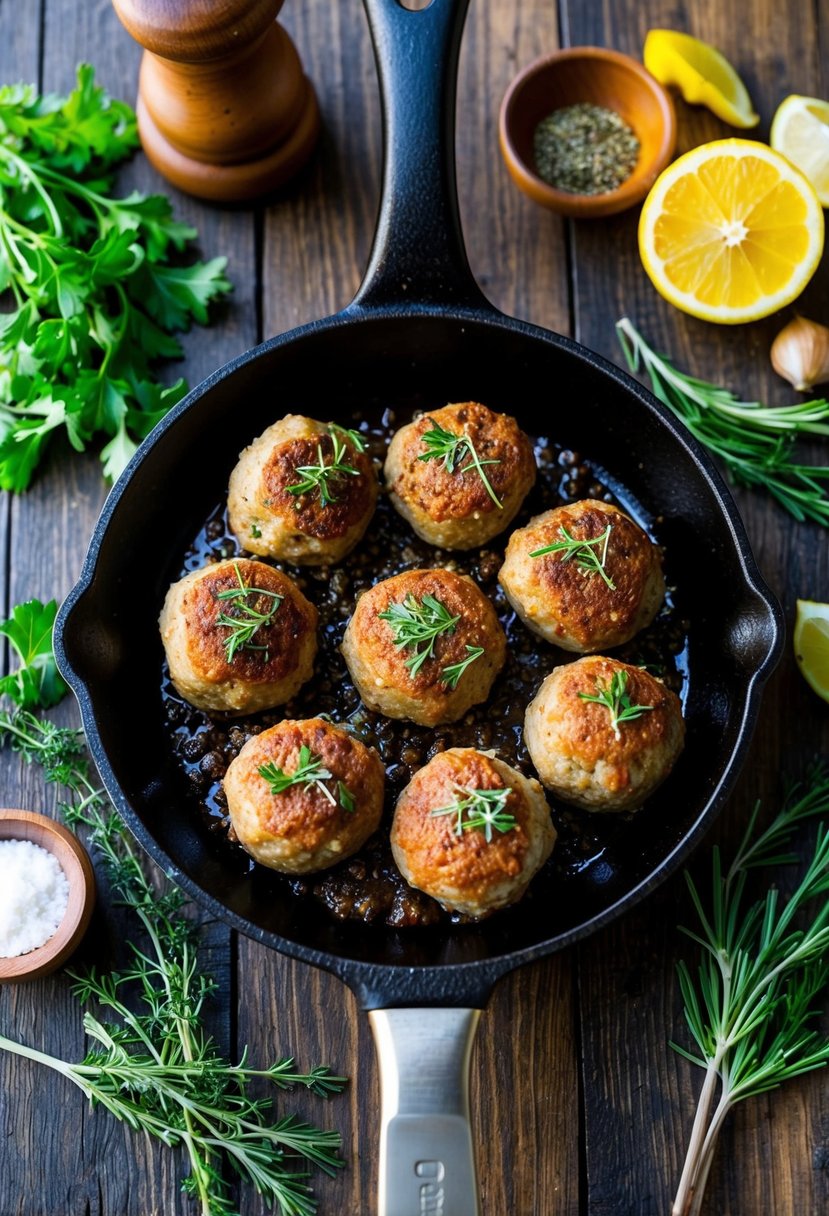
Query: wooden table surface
{"points": [[581, 1108]]}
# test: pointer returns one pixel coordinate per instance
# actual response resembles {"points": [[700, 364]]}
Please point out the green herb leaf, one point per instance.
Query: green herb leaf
{"points": [[453, 672], [589, 555], [753, 441], [451, 449], [95, 292], [319, 477], [481, 810], [244, 618], [37, 681], [752, 1007], [309, 771], [616, 700], [418, 623]]}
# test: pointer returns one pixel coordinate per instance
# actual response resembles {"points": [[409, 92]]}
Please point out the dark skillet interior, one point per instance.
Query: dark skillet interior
{"points": [[111, 646]]}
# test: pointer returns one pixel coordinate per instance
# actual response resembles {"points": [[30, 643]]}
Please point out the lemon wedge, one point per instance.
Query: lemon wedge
{"points": [[702, 75], [731, 231], [811, 645], [800, 130]]}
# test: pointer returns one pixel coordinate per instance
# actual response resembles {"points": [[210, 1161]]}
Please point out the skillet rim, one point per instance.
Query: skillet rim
{"points": [[476, 977]]}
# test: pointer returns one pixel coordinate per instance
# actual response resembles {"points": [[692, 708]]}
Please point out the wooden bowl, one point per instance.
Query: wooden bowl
{"points": [[601, 77], [74, 861]]}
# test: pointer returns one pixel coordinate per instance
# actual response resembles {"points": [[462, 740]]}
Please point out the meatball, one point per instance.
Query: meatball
{"points": [[471, 853], [424, 645], [239, 636], [587, 599], [280, 504], [326, 813], [449, 498], [591, 754]]}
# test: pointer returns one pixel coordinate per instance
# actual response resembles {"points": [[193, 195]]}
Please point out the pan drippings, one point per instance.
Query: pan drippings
{"points": [[368, 886]]}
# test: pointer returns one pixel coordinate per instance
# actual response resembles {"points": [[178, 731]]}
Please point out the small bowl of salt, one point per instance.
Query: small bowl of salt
{"points": [[47, 892]]}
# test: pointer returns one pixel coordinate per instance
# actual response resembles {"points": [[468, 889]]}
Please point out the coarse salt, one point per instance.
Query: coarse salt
{"points": [[34, 893]]}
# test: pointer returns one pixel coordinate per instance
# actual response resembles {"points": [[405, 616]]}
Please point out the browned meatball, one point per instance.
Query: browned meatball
{"points": [[575, 600], [578, 751], [435, 679], [446, 501], [270, 512], [219, 657], [309, 824], [471, 854]]}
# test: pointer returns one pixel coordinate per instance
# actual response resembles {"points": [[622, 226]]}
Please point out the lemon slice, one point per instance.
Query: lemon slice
{"points": [[800, 130], [731, 232], [811, 645], [702, 75]]}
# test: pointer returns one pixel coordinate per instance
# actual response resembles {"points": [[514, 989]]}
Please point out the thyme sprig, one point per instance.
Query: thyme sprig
{"points": [[417, 623], [753, 441], [309, 771], [451, 449], [616, 700], [479, 810], [585, 553], [752, 1006], [320, 476], [453, 671], [157, 1069], [245, 620]]}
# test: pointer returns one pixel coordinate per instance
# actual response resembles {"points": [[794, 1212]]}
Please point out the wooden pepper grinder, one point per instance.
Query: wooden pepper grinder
{"points": [[225, 110]]}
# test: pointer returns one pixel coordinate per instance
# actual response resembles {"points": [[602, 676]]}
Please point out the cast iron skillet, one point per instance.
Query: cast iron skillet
{"points": [[418, 332]]}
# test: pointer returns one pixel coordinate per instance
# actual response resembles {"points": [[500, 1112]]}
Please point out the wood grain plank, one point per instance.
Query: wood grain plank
{"points": [[63, 1158], [638, 1095], [317, 239]]}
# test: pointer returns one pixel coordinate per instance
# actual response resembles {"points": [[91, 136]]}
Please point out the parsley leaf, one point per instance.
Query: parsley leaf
{"points": [[98, 286], [37, 681]]}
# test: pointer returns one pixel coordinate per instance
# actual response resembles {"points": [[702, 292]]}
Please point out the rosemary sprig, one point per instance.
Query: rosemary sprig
{"points": [[616, 700], [453, 671], [483, 810], [157, 1069], [751, 1007], [320, 476], [245, 620], [353, 436], [585, 553], [418, 623], [309, 771], [753, 441], [450, 448]]}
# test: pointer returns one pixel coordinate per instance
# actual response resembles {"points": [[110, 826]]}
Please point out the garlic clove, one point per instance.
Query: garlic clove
{"points": [[800, 354]]}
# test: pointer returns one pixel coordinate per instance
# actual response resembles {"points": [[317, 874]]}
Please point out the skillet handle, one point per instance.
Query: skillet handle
{"points": [[418, 256], [427, 1162]]}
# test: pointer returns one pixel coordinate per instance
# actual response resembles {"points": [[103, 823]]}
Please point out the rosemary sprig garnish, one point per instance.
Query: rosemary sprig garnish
{"points": [[585, 553], [153, 1065], [417, 623], [450, 448], [309, 771], [453, 672], [752, 1007], [245, 620], [483, 810], [616, 700], [320, 476], [355, 437], [753, 441]]}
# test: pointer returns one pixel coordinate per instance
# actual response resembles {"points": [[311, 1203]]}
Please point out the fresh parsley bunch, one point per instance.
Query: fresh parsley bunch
{"points": [[97, 284]]}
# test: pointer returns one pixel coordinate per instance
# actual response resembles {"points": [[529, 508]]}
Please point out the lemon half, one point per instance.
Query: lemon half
{"points": [[811, 645], [702, 75], [800, 130], [731, 232]]}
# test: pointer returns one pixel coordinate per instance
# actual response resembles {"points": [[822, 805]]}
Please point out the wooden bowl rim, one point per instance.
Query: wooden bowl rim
{"points": [[588, 205], [77, 866]]}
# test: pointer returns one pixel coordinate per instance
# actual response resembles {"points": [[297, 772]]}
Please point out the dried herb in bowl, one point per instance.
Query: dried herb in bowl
{"points": [[585, 149]]}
